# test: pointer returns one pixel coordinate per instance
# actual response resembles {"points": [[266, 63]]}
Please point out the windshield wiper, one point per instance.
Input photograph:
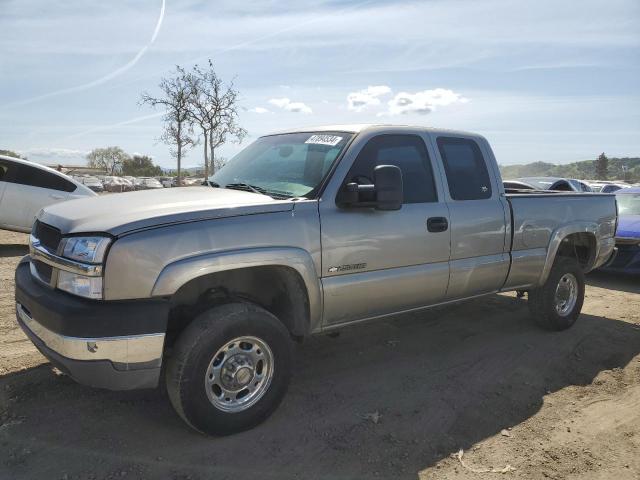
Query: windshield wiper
{"points": [[245, 187]]}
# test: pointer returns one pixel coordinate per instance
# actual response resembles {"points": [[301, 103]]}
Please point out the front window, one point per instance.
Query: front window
{"points": [[628, 203], [283, 166]]}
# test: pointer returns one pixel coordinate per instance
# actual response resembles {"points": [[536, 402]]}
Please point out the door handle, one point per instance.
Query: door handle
{"points": [[57, 197], [437, 224]]}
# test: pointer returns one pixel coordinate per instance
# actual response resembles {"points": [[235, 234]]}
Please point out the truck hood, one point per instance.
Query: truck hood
{"points": [[124, 212], [628, 226]]}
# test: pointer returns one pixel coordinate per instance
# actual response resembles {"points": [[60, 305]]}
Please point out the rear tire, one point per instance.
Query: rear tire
{"points": [[556, 305], [229, 369]]}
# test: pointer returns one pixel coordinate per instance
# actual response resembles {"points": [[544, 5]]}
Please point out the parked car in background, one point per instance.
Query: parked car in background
{"points": [[628, 232], [147, 183], [174, 182], [557, 184], [117, 184], [517, 185], [607, 187], [193, 181], [165, 181], [27, 187], [93, 183]]}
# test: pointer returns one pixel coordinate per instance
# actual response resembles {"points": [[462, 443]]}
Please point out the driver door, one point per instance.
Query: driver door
{"points": [[378, 262]]}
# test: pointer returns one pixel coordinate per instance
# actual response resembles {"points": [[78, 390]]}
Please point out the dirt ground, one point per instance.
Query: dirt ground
{"points": [[393, 399]]}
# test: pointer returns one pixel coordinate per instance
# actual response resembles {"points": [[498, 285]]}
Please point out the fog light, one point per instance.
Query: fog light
{"points": [[88, 287]]}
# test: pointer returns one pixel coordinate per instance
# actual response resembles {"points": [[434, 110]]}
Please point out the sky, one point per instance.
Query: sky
{"points": [[550, 80]]}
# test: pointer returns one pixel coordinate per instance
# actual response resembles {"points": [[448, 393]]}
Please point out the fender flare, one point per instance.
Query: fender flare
{"points": [[556, 239], [178, 273]]}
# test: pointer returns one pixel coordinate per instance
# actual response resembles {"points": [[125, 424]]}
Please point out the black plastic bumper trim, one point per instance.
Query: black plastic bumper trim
{"points": [[73, 316]]}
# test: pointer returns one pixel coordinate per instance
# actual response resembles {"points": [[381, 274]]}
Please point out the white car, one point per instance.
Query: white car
{"points": [[27, 187]]}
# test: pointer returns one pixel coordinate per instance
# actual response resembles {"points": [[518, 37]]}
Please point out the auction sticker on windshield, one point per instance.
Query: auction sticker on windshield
{"points": [[331, 140]]}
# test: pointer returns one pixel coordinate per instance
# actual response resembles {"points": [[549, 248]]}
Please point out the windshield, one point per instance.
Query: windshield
{"points": [[287, 165], [628, 203]]}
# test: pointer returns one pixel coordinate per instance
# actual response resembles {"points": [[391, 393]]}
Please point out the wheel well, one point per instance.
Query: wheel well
{"points": [[278, 289], [581, 246]]}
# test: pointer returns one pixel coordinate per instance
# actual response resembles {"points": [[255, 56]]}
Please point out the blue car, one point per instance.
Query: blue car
{"points": [[628, 232]]}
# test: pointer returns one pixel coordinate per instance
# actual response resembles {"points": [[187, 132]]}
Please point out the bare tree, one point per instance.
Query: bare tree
{"points": [[109, 159], [218, 163], [213, 107], [178, 130]]}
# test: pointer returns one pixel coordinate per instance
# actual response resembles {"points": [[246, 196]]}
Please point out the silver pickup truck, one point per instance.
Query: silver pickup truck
{"points": [[302, 233]]}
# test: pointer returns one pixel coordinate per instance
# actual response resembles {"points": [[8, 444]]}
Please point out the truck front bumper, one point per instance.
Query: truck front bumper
{"points": [[116, 345]]}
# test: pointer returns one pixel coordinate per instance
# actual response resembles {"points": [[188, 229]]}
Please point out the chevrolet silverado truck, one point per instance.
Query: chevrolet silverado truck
{"points": [[302, 233]]}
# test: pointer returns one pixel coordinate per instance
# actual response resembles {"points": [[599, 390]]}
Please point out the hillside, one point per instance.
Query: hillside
{"points": [[583, 170]]}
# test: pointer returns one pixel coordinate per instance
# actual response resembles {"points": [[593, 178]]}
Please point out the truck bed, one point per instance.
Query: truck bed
{"points": [[538, 219]]}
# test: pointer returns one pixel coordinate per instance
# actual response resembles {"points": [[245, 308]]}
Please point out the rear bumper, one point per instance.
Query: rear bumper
{"points": [[114, 345]]}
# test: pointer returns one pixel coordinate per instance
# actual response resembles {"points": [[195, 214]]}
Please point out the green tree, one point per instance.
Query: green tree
{"points": [[11, 153], [602, 167], [140, 166], [109, 159]]}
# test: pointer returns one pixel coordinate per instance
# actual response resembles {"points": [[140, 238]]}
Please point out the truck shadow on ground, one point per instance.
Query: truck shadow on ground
{"points": [[614, 281], [441, 380], [13, 250]]}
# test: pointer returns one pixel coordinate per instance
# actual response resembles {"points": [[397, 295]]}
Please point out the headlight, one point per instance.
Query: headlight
{"points": [[88, 287], [86, 249]]}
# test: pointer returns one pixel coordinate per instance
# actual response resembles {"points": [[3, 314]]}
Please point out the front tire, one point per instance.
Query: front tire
{"points": [[557, 304], [230, 369]]}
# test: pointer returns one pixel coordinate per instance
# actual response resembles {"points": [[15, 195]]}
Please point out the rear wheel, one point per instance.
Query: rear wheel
{"points": [[557, 304], [230, 369]]}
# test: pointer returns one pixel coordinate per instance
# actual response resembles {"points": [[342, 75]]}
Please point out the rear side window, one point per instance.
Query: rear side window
{"points": [[407, 152], [467, 173], [7, 169], [36, 177]]}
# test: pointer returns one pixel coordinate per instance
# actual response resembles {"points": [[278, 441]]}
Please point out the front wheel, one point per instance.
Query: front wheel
{"points": [[556, 305], [230, 369]]}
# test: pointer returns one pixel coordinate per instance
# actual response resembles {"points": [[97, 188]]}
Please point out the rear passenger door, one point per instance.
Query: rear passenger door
{"points": [[30, 190], [377, 262], [4, 176], [479, 257], [8, 214]]}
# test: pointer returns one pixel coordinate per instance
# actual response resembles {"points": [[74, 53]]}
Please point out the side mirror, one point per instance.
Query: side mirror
{"points": [[385, 194], [388, 184]]}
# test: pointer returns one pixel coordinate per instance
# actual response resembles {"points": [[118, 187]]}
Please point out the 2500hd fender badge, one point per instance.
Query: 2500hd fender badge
{"points": [[345, 268]]}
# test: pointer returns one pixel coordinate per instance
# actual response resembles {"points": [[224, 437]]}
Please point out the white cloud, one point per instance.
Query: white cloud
{"points": [[358, 101], [258, 110], [422, 102], [288, 105]]}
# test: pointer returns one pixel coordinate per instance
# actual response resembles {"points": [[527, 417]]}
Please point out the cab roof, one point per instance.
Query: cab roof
{"points": [[361, 127]]}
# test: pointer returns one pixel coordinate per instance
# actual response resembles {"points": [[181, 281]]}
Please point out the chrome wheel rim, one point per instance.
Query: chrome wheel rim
{"points": [[566, 294], [239, 374]]}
